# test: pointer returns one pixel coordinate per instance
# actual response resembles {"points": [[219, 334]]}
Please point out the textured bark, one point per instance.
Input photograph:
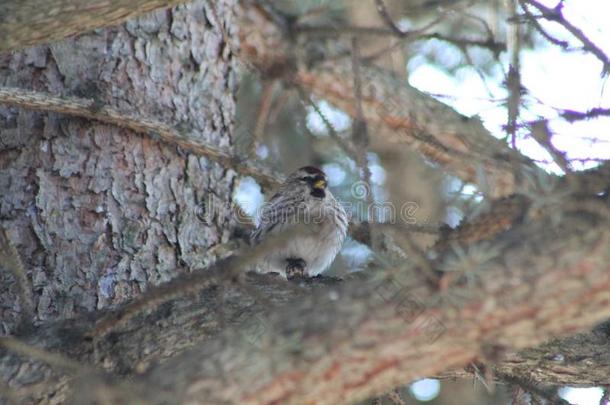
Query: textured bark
{"points": [[579, 360], [90, 108], [32, 22], [97, 213], [149, 339], [344, 342]]}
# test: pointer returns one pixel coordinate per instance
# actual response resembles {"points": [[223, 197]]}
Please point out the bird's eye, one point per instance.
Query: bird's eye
{"points": [[304, 178]]}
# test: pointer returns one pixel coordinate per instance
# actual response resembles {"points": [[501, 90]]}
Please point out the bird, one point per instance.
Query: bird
{"points": [[314, 222]]}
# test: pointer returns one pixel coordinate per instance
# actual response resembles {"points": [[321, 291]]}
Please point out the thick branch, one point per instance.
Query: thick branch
{"points": [[578, 360], [358, 342], [30, 22], [351, 341]]}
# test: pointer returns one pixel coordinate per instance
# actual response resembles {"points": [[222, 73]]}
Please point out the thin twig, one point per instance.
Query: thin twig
{"points": [[343, 144], [413, 228], [332, 30], [280, 104], [263, 114], [477, 69], [387, 18], [410, 35], [424, 267], [405, 37], [529, 17], [572, 115], [88, 108], [542, 134], [361, 137], [357, 80], [513, 81], [555, 14]]}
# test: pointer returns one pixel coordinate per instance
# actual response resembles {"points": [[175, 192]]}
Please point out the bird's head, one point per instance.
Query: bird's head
{"points": [[311, 178]]}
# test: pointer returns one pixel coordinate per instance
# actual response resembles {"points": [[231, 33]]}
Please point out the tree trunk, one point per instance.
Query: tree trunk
{"points": [[98, 213]]}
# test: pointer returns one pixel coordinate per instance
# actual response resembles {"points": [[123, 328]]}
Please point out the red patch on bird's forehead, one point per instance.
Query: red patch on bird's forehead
{"points": [[313, 170]]}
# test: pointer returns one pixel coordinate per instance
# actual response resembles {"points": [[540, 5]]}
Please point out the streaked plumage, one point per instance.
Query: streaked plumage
{"points": [[305, 200]]}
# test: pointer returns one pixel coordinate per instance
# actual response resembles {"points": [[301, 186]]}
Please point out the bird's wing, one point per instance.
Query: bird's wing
{"points": [[275, 214]]}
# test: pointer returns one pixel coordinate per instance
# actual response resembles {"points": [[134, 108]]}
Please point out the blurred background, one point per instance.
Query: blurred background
{"points": [[461, 58]]}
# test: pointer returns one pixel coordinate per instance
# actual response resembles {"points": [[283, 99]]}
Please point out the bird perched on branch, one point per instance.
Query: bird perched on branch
{"points": [[314, 223]]}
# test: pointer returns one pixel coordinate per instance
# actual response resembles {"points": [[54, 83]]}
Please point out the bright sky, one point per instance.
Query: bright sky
{"points": [[558, 79]]}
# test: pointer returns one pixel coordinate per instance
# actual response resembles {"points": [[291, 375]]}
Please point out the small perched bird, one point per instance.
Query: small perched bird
{"points": [[314, 222]]}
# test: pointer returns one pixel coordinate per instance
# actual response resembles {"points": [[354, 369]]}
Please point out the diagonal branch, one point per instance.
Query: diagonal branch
{"points": [[343, 342], [30, 22], [88, 108], [387, 18], [373, 336]]}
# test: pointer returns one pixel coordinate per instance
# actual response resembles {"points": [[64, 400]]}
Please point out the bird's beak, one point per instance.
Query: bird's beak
{"points": [[320, 184]]}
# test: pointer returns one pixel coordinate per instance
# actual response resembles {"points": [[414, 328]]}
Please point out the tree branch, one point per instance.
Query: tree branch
{"points": [[398, 111], [331, 30], [25, 23], [580, 360], [88, 108], [362, 345], [349, 341]]}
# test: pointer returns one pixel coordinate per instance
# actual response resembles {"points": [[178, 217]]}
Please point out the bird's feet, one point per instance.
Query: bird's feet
{"points": [[295, 268]]}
